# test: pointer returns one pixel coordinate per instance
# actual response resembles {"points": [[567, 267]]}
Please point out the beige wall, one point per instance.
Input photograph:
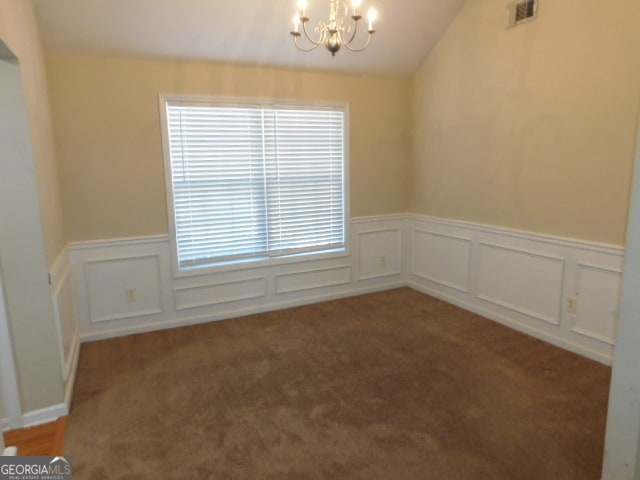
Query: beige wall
{"points": [[108, 134], [19, 30], [533, 127]]}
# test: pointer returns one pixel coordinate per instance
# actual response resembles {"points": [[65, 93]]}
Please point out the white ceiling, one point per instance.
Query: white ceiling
{"points": [[241, 31]]}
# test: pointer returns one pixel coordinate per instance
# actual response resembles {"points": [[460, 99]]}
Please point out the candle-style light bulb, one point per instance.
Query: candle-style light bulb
{"points": [[356, 4], [296, 23], [302, 6], [372, 15]]}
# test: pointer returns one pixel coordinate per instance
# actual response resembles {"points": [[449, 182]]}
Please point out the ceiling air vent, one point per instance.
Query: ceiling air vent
{"points": [[520, 12]]}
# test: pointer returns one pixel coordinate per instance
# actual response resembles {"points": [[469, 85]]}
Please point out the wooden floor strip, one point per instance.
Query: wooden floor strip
{"points": [[42, 440], [59, 436]]}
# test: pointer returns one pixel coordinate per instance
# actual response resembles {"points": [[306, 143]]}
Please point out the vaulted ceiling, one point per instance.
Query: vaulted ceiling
{"points": [[240, 31]]}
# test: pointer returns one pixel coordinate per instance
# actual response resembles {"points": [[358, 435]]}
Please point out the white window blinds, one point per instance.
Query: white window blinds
{"points": [[255, 180]]}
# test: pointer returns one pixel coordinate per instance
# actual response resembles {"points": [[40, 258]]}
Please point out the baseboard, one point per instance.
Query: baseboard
{"points": [[184, 322], [10, 452], [51, 413], [44, 415]]}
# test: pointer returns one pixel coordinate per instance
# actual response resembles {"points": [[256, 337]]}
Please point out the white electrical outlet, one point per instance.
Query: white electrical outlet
{"points": [[572, 304], [383, 261], [131, 294]]}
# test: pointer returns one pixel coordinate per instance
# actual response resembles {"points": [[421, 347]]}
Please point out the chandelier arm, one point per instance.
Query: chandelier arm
{"points": [[353, 35], [306, 34], [348, 47], [310, 49]]}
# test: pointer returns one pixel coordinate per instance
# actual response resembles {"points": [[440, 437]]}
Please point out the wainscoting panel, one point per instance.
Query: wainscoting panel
{"points": [[597, 302], [68, 335], [312, 278], [110, 280], [525, 282], [66, 318], [65, 313], [441, 259], [221, 292], [379, 253]]}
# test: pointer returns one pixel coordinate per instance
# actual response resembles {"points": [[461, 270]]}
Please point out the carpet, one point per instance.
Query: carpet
{"points": [[391, 385]]}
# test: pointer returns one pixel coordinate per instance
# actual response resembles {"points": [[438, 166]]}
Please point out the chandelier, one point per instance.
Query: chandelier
{"points": [[337, 32]]}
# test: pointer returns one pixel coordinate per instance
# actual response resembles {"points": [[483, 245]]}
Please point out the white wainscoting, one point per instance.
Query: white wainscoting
{"points": [[68, 336], [522, 280], [104, 271], [517, 278]]}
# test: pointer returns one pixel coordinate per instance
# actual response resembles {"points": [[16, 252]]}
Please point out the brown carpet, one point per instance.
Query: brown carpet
{"points": [[393, 385]]}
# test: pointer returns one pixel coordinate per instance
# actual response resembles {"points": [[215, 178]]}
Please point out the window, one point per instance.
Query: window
{"points": [[252, 180]]}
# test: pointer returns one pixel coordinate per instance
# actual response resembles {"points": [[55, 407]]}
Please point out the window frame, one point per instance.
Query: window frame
{"points": [[253, 262]]}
